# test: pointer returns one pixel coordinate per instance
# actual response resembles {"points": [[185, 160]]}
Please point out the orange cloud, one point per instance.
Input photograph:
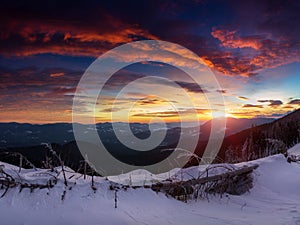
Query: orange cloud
{"points": [[230, 39], [67, 38], [252, 106], [57, 74], [269, 52], [228, 64]]}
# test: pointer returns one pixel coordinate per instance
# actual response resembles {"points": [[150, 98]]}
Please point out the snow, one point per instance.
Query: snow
{"points": [[144, 177], [274, 199], [295, 150]]}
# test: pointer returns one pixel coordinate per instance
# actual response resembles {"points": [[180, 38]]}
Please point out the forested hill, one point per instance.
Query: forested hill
{"points": [[267, 139]]}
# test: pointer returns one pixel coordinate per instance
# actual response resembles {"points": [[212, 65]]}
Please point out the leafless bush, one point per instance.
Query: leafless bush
{"points": [[49, 146], [8, 181]]}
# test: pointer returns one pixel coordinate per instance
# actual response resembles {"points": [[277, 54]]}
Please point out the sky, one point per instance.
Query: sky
{"points": [[252, 47]]}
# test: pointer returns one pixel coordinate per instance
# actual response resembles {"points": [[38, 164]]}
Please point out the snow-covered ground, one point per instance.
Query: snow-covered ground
{"points": [[275, 199], [295, 150]]}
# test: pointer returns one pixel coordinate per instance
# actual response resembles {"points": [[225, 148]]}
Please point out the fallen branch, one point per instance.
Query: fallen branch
{"points": [[234, 182]]}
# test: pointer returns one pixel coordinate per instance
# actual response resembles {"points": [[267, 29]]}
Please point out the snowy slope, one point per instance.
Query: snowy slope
{"points": [[275, 199], [295, 150]]}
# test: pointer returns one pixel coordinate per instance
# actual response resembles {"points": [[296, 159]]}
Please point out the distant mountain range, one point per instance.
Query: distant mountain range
{"points": [[24, 134]]}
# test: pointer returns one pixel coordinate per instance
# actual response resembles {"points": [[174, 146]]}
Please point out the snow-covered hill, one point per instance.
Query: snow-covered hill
{"points": [[275, 199]]}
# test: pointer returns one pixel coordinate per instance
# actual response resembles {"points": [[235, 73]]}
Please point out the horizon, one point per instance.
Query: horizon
{"points": [[186, 122]]}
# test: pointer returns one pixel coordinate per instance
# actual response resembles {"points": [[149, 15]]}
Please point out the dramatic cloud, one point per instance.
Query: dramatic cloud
{"points": [[242, 98], [25, 38], [153, 101], [263, 36], [252, 106], [265, 39], [243, 39], [37, 30], [294, 102], [273, 103], [267, 52], [230, 39], [191, 87]]}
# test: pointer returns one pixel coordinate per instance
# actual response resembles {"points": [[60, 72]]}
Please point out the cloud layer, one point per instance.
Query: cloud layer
{"points": [[266, 39]]}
